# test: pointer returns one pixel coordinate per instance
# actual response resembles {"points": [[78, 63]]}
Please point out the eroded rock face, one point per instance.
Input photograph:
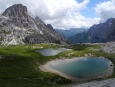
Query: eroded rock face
{"points": [[99, 32], [17, 10], [18, 15], [49, 26], [17, 27], [111, 36]]}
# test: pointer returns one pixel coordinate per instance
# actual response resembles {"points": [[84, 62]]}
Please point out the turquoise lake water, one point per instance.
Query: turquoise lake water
{"points": [[82, 67], [51, 52]]}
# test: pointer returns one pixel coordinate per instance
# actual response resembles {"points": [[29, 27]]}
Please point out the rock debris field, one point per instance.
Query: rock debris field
{"points": [[103, 83], [108, 47]]}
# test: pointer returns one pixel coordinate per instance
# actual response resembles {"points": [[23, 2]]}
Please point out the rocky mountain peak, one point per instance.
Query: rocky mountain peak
{"points": [[17, 10], [49, 26], [18, 27], [18, 16], [38, 20]]}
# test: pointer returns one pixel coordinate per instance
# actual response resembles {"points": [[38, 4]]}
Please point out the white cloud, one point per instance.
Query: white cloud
{"points": [[60, 13], [105, 10], [76, 21]]}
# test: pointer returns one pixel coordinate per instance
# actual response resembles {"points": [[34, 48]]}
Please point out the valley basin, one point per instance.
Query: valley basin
{"points": [[80, 69]]}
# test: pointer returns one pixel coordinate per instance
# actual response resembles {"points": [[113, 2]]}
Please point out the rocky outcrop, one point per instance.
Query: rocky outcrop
{"points": [[49, 26], [17, 27]]}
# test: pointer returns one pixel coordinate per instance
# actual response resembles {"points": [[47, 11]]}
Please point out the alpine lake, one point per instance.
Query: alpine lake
{"points": [[77, 69], [55, 66]]}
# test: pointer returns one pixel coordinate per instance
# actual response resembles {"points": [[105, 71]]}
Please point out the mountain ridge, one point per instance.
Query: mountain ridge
{"points": [[70, 32], [18, 27], [98, 33]]}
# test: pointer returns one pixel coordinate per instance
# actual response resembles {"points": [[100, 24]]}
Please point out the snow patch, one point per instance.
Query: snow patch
{"points": [[13, 42], [41, 32]]}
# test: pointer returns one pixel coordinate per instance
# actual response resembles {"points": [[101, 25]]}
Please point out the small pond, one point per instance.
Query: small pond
{"points": [[80, 68], [51, 51]]}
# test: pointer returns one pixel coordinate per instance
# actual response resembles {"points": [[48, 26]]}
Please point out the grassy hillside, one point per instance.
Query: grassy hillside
{"points": [[19, 65]]}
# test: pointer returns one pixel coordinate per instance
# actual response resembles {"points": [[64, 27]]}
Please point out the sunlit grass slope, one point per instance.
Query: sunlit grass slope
{"points": [[19, 65]]}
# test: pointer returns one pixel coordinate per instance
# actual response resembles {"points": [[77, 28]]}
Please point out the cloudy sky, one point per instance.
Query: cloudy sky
{"points": [[66, 14]]}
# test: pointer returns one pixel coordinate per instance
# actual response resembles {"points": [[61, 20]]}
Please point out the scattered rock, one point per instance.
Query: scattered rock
{"points": [[108, 47]]}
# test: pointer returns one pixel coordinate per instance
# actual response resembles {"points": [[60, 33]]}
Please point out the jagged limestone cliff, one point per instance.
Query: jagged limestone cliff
{"points": [[18, 27]]}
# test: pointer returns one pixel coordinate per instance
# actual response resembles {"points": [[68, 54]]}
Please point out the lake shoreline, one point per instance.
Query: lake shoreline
{"points": [[47, 68]]}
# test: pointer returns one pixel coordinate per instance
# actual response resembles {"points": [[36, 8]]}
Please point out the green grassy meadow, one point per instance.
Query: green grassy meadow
{"points": [[19, 64]]}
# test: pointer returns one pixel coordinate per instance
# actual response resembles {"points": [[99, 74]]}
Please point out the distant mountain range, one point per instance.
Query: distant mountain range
{"points": [[79, 38], [18, 27], [70, 32], [99, 33]]}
